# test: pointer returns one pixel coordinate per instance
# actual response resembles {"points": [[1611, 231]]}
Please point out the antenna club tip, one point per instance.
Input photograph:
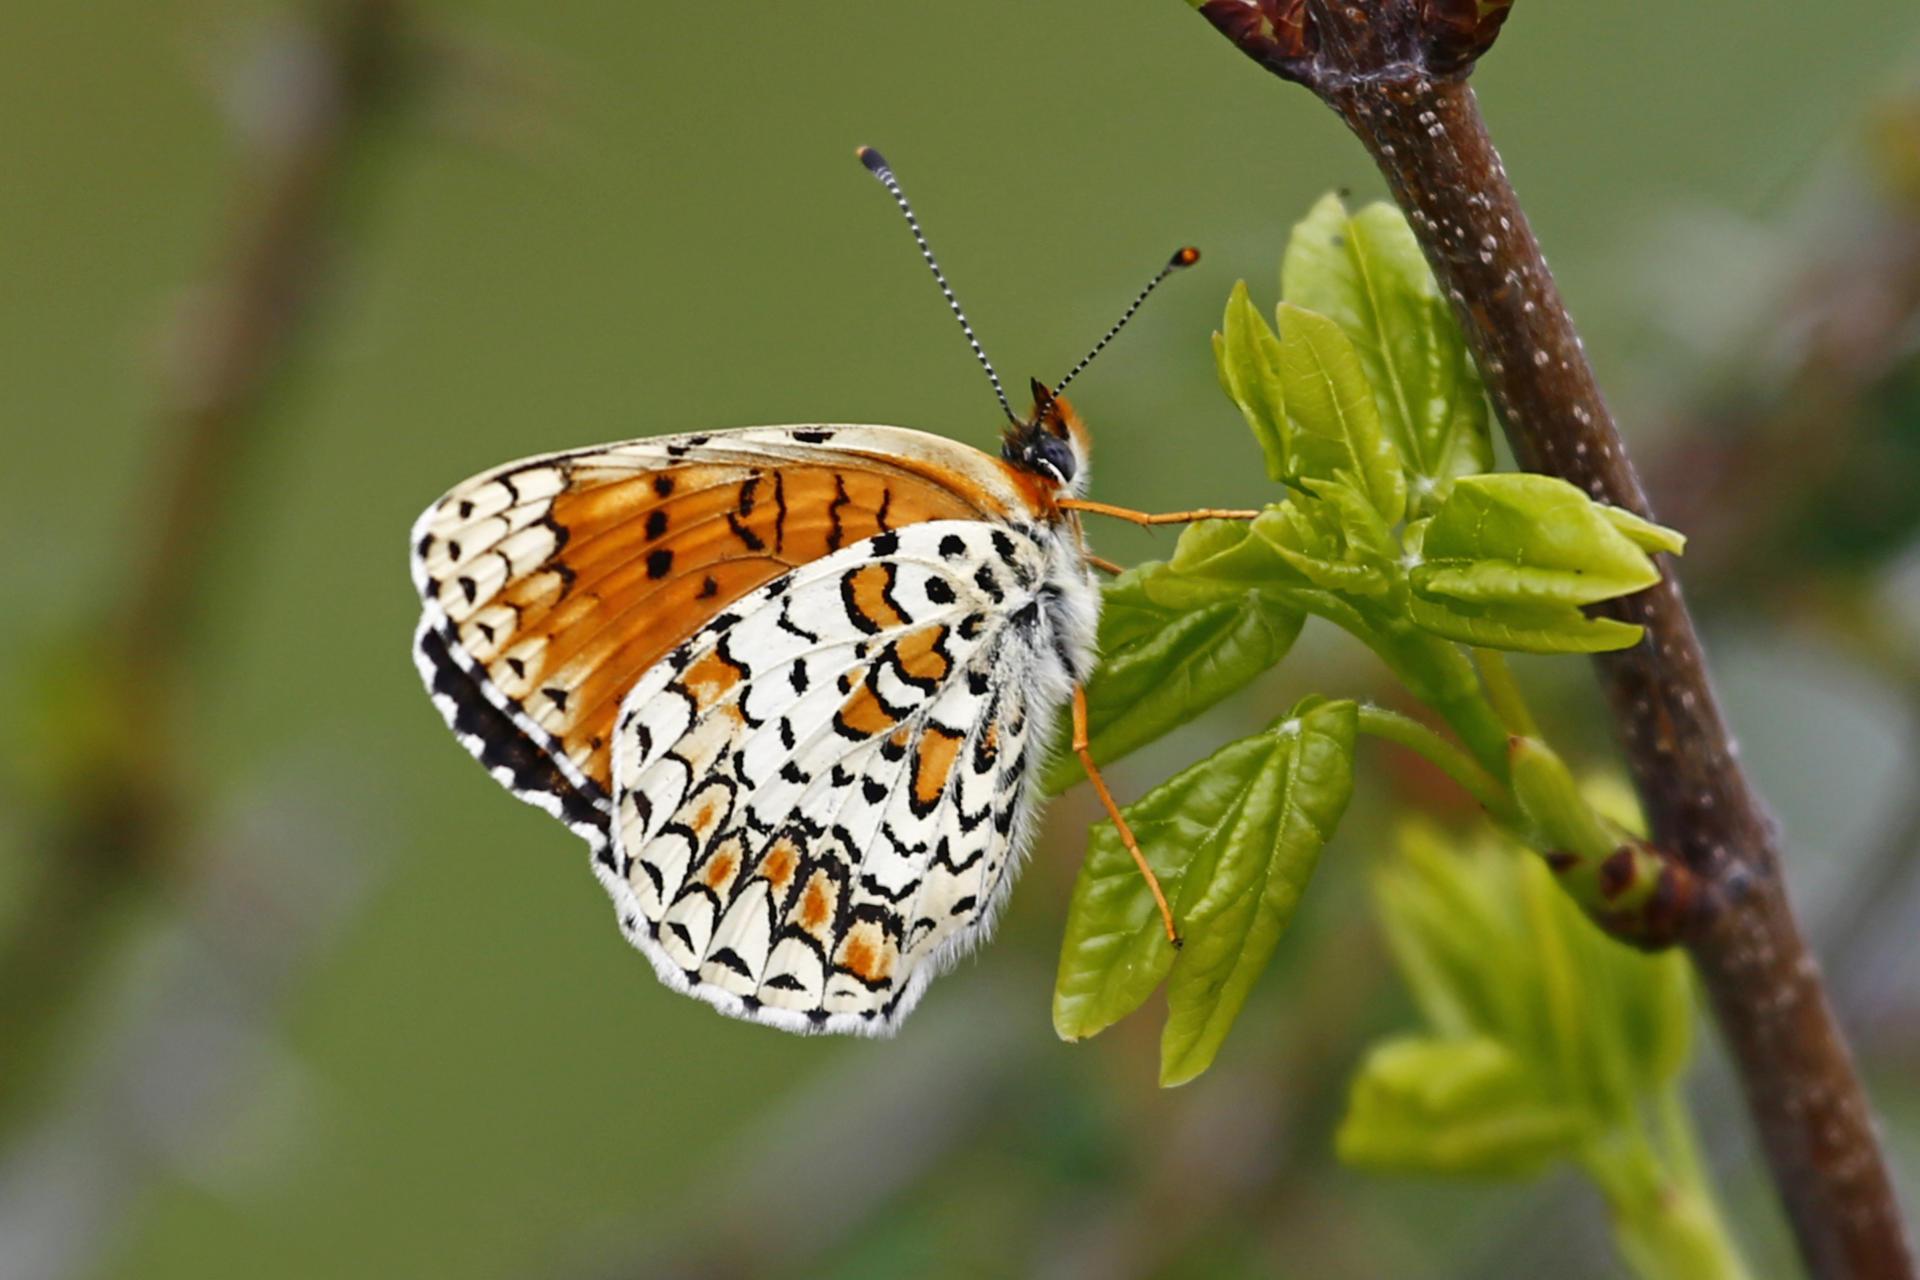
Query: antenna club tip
{"points": [[874, 161], [1185, 256]]}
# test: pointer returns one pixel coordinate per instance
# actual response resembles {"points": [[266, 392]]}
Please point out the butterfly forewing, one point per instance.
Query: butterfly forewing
{"points": [[558, 579]]}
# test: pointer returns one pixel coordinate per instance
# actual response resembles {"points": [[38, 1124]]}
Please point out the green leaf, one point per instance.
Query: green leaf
{"points": [[1226, 556], [1516, 538], [1233, 840], [1454, 935], [1335, 424], [1644, 534], [1231, 930], [1284, 547], [1365, 271], [1523, 630], [1509, 559], [1247, 356], [1114, 953], [1494, 951], [1339, 506], [1161, 666], [1466, 1106]]}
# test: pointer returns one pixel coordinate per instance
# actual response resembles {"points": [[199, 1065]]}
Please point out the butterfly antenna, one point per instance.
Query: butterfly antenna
{"points": [[1182, 258], [878, 167]]}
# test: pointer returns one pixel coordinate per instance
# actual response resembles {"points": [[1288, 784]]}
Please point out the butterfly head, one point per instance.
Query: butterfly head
{"points": [[1052, 443]]}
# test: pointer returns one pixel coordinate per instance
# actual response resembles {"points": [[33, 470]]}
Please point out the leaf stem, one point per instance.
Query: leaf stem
{"points": [[1457, 764], [1666, 1221], [1503, 691]]}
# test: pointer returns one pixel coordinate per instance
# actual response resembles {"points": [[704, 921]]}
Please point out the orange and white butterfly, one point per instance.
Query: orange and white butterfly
{"points": [[791, 684]]}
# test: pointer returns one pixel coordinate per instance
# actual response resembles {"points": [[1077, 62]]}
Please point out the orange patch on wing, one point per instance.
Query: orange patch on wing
{"points": [[933, 759], [707, 816], [816, 904], [644, 559], [778, 866], [866, 953], [719, 871], [869, 595], [709, 679], [920, 657], [863, 714]]}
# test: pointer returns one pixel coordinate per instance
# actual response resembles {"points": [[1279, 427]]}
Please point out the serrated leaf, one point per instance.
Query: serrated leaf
{"points": [[1233, 840], [1247, 356], [1160, 666], [1114, 953], [1231, 930], [1523, 630], [1529, 540], [1466, 1106], [1365, 271], [1334, 423]]}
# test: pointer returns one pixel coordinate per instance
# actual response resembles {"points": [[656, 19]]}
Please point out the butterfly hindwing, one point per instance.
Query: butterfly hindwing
{"points": [[818, 797]]}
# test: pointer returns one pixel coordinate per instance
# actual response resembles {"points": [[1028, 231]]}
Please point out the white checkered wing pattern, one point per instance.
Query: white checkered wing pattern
{"points": [[820, 795]]}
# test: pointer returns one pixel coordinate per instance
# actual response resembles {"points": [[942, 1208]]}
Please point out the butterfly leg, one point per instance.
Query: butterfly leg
{"points": [[1104, 565], [1081, 749], [1166, 517]]}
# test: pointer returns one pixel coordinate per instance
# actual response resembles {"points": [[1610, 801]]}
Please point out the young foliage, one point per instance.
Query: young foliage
{"points": [[1374, 429], [1335, 424], [1508, 559], [1364, 272], [1544, 1042], [1234, 840], [1247, 357]]}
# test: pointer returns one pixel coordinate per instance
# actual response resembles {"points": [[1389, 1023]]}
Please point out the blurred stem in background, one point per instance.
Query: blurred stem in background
{"points": [[108, 798]]}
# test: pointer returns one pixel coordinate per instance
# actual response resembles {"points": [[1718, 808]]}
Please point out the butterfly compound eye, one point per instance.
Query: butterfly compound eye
{"points": [[1051, 453]]}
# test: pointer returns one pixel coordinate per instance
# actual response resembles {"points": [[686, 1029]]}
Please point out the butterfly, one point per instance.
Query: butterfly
{"points": [[791, 684]]}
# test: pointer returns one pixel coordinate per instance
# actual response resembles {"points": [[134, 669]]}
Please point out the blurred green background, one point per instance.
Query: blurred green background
{"points": [[371, 1017]]}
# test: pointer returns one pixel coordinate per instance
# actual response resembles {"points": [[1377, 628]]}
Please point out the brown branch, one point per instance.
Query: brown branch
{"points": [[1395, 71], [104, 830]]}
